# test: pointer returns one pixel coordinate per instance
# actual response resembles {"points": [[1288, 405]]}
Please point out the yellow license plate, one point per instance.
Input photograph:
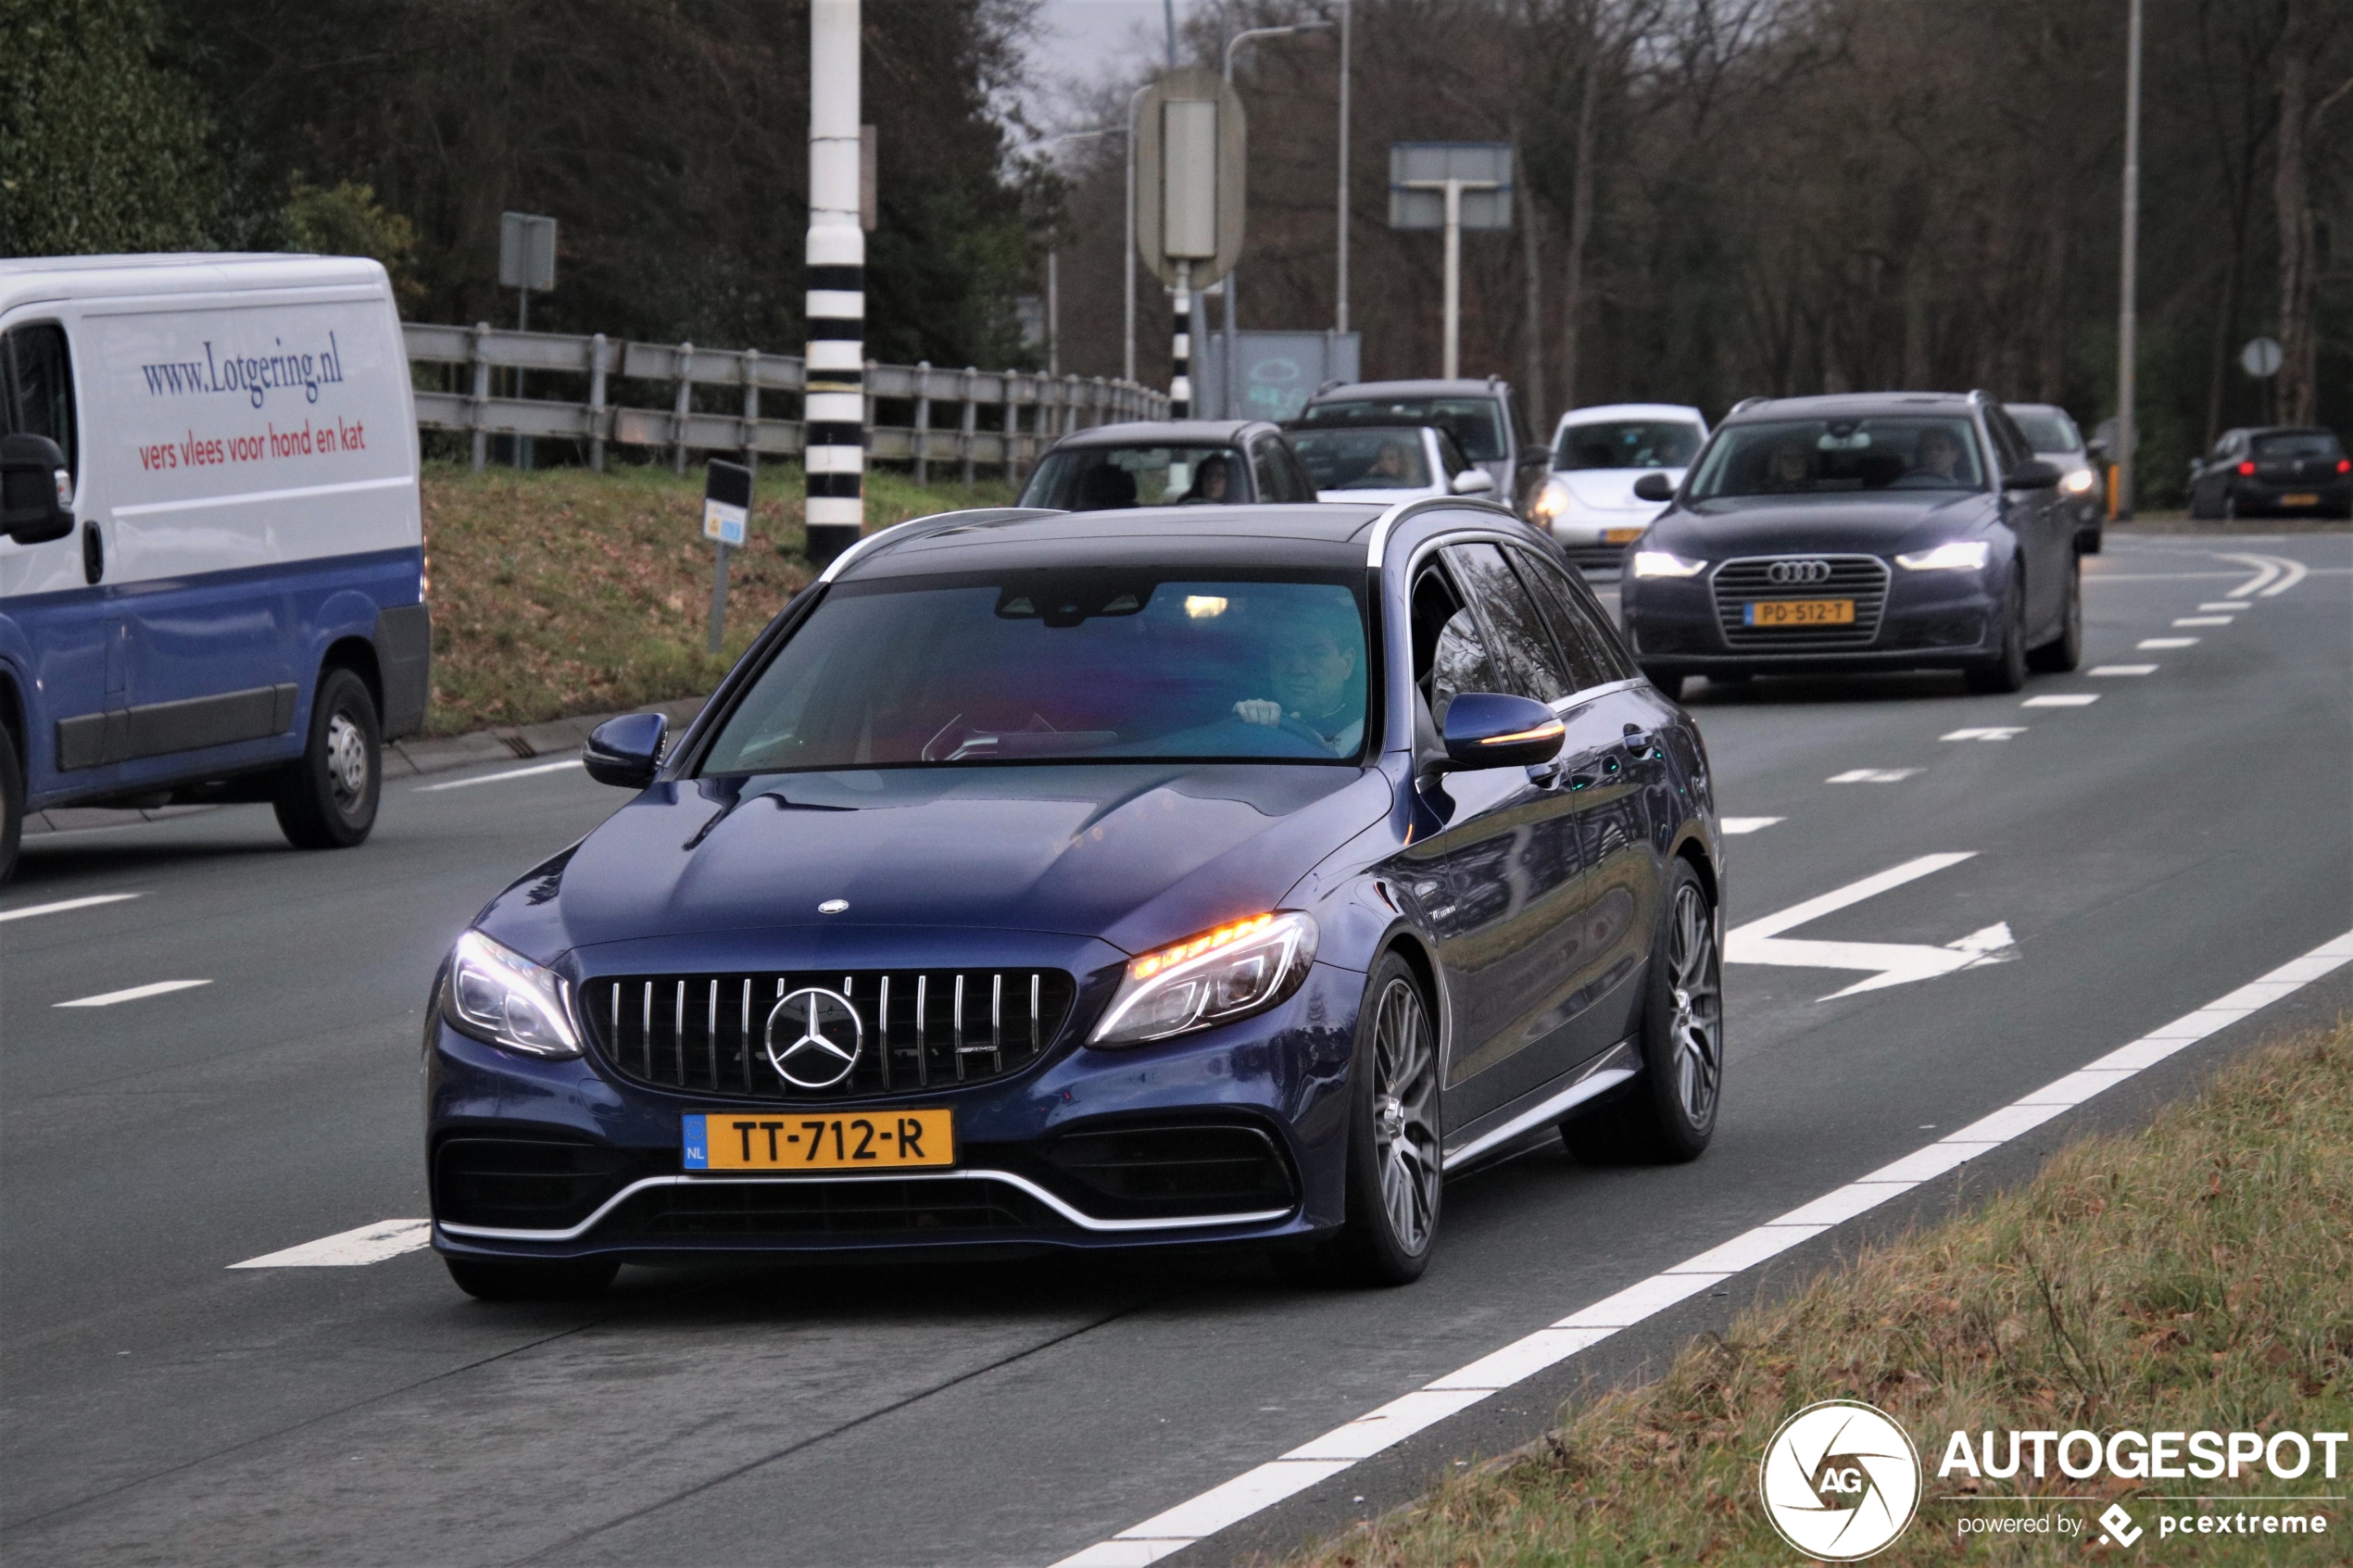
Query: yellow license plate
{"points": [[784, 1141], [1799, 612], [2299, 500], [1620, 535]]}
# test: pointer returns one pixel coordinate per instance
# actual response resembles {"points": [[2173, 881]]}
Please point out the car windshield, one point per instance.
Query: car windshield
{"points": [[2297, 443], [1095, 478], [1474, 422], [1086, 666], [1833, 456], [1363, 460], [2047, 431], [1627, 444]]}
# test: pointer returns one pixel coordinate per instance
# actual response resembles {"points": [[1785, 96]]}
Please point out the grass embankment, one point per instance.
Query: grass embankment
{"points": [[2196, 1276], [563, 592]]}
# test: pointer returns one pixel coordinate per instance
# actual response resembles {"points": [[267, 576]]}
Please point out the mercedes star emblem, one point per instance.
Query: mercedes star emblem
{"points": [[813, 1037]]}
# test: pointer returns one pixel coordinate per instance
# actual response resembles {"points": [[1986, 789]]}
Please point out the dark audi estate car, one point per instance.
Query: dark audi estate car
{"points": [[1880, 530], [1107, 879]]}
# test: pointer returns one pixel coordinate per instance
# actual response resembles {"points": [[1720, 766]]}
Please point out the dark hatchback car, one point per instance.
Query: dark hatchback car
{"points": [[1106, 880], [1169, 463], [2280, 472], [1882, 531]]}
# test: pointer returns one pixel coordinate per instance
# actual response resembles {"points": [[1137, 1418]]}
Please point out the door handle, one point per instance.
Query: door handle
{"points": [[1638, 742]]}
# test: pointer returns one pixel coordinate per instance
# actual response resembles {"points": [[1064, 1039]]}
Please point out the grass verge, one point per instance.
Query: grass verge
{"points": [[563, 591], [2196, 1276]]}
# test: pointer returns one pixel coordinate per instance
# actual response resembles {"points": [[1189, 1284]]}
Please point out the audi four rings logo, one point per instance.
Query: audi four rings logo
{"points": [[1789, 574], [813, 1037]]}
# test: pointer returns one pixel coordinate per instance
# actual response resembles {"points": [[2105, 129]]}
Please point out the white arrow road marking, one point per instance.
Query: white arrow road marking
{"points": [[1890, 963], [1986, 732], [135, 993], [1872, 775], [1747, 824], [368, 1244], [2275, 575], [62, 905]]}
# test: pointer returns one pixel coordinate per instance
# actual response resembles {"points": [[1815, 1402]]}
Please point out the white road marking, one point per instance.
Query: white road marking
{"points": [[1986, 732], [368, 1244], [1872, 775], [1890, 963], [1177, 1528], [2203, 620], [2166, 643], [2062, 699], [2122, 670], [509, 773], [2233, 606], [2275, 575], [136, 993], [1747, 825], [62, 905]]}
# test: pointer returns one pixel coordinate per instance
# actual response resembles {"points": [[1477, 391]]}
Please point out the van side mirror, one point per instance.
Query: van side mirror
{"points": [[1492, 730], [626, 751], [1472, 481], [36, 490], [1653, 487]]}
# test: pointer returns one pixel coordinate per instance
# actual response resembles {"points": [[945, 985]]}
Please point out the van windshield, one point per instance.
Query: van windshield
{"points": [[1071, 666]]}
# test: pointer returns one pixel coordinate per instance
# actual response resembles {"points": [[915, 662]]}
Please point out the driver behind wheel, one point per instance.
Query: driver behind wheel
{"points": [[1311, 671]]}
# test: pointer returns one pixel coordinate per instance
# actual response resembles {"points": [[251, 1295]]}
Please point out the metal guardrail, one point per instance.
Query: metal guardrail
{"points": [[1028, 410]]}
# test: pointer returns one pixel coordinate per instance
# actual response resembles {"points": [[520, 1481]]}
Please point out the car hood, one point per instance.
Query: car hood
{"points": [[1770, 524], [1137, 855], [1612, 489]]}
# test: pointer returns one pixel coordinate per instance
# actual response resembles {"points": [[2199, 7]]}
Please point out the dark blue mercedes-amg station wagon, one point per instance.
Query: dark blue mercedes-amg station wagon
{"points": [[1116, 879]]}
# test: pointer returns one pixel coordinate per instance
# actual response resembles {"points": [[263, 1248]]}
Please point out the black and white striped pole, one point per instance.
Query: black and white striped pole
{"points": [[833, 406], [1180, 376]]}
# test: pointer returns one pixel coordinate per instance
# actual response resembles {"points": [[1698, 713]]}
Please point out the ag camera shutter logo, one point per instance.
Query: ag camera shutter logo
{"points": [[1840, 1480]]}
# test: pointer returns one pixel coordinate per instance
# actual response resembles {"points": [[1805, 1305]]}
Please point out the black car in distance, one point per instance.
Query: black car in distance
{"points": [[1169, 463], [2279, 471], [1881, 531]]}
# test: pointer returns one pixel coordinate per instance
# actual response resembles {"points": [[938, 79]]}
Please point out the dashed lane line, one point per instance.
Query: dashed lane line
{"points": [[1377, 1430], [2062, 699], [1747, 825], [2233, 606], [135, 993], [1872, 775], [62, 905], [1985, 732], [368, 1244], [2178, 620], [2152, 643], [2122, 670], [494, 778]]}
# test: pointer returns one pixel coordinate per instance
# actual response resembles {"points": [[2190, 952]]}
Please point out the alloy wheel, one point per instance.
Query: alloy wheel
{"points": [[1405, 1138], [1697, 1030]]}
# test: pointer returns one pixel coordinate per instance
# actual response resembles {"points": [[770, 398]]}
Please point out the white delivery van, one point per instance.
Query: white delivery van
{"points": [[211, 579]]}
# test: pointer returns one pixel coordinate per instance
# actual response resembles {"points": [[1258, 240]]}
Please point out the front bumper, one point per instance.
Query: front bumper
{"points": [[1237, 1134], [1932, 621], [2252, 497], [1586, 536]]}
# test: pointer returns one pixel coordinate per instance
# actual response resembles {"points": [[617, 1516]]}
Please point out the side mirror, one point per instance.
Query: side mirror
{"points": [[1490, 730], [626, 750], [1472, 481], [1653, 487], [36, 490], [2032, 474]]}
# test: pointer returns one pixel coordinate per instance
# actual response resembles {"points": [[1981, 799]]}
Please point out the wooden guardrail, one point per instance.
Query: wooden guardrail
{"points": [[1026, 410]]}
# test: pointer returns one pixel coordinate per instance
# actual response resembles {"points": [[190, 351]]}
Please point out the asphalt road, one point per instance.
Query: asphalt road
{"points": [[2148, 851]]}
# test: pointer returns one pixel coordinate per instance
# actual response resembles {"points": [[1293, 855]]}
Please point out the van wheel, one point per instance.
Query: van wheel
{"points": [[327, 800], [11, 804]]}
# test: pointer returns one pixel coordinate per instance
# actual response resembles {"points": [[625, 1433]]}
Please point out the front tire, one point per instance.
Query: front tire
{"points": [[2064, 652], [2007, 671], [1668, 1114], [1395, 1149], [568, 1281], [327, 799]]}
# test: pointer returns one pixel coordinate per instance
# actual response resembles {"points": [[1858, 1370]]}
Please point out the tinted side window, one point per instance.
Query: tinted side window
{"points": [[1450, 651], [1303, 484], [1525, 657], [1273, 483], [1594, 654], [37, 396]]}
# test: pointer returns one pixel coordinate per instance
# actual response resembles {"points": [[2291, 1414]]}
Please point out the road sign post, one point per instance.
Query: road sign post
{"points": [[1451, 186], [727, 512], [1190, 158], [526, 263]]}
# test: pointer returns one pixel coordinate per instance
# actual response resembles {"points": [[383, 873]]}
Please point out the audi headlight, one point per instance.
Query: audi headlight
{"points": [[1659, 563], [497, 995], [1551, 501], [2077, 482], [1962, 555], [1212, 978]]}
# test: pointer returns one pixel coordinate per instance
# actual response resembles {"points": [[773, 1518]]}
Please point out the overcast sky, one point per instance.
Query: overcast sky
{"points": [[1082, 42]]}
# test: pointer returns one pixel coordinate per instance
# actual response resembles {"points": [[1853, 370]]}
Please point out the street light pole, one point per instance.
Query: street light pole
{"points": [[2127, 433], [1453, 341], [1340, 294], [1127, 362], [1232, 356]]}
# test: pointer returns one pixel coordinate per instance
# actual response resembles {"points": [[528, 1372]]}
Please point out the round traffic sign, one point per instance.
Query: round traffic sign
{"points": [[2261, 358]]}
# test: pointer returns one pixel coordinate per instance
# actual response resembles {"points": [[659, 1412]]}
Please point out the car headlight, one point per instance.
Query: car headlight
{"points": [[1961, 555], [1659, 563], [2077, 482], [1218, 977], [1551, 501], [497, 995]]}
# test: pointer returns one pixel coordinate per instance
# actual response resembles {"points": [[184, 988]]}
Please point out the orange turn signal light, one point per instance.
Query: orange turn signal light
{"points": [[1194, 946], [1552, 730]]}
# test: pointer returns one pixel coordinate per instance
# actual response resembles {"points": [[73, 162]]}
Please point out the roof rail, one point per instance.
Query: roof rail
{"points": [[1978, 395], [923, 527], [1387, 520], [1746, 403]]}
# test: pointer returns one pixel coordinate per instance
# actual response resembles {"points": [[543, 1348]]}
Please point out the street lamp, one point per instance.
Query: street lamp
{"points": [[1053, 290], [1233, 355]]}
